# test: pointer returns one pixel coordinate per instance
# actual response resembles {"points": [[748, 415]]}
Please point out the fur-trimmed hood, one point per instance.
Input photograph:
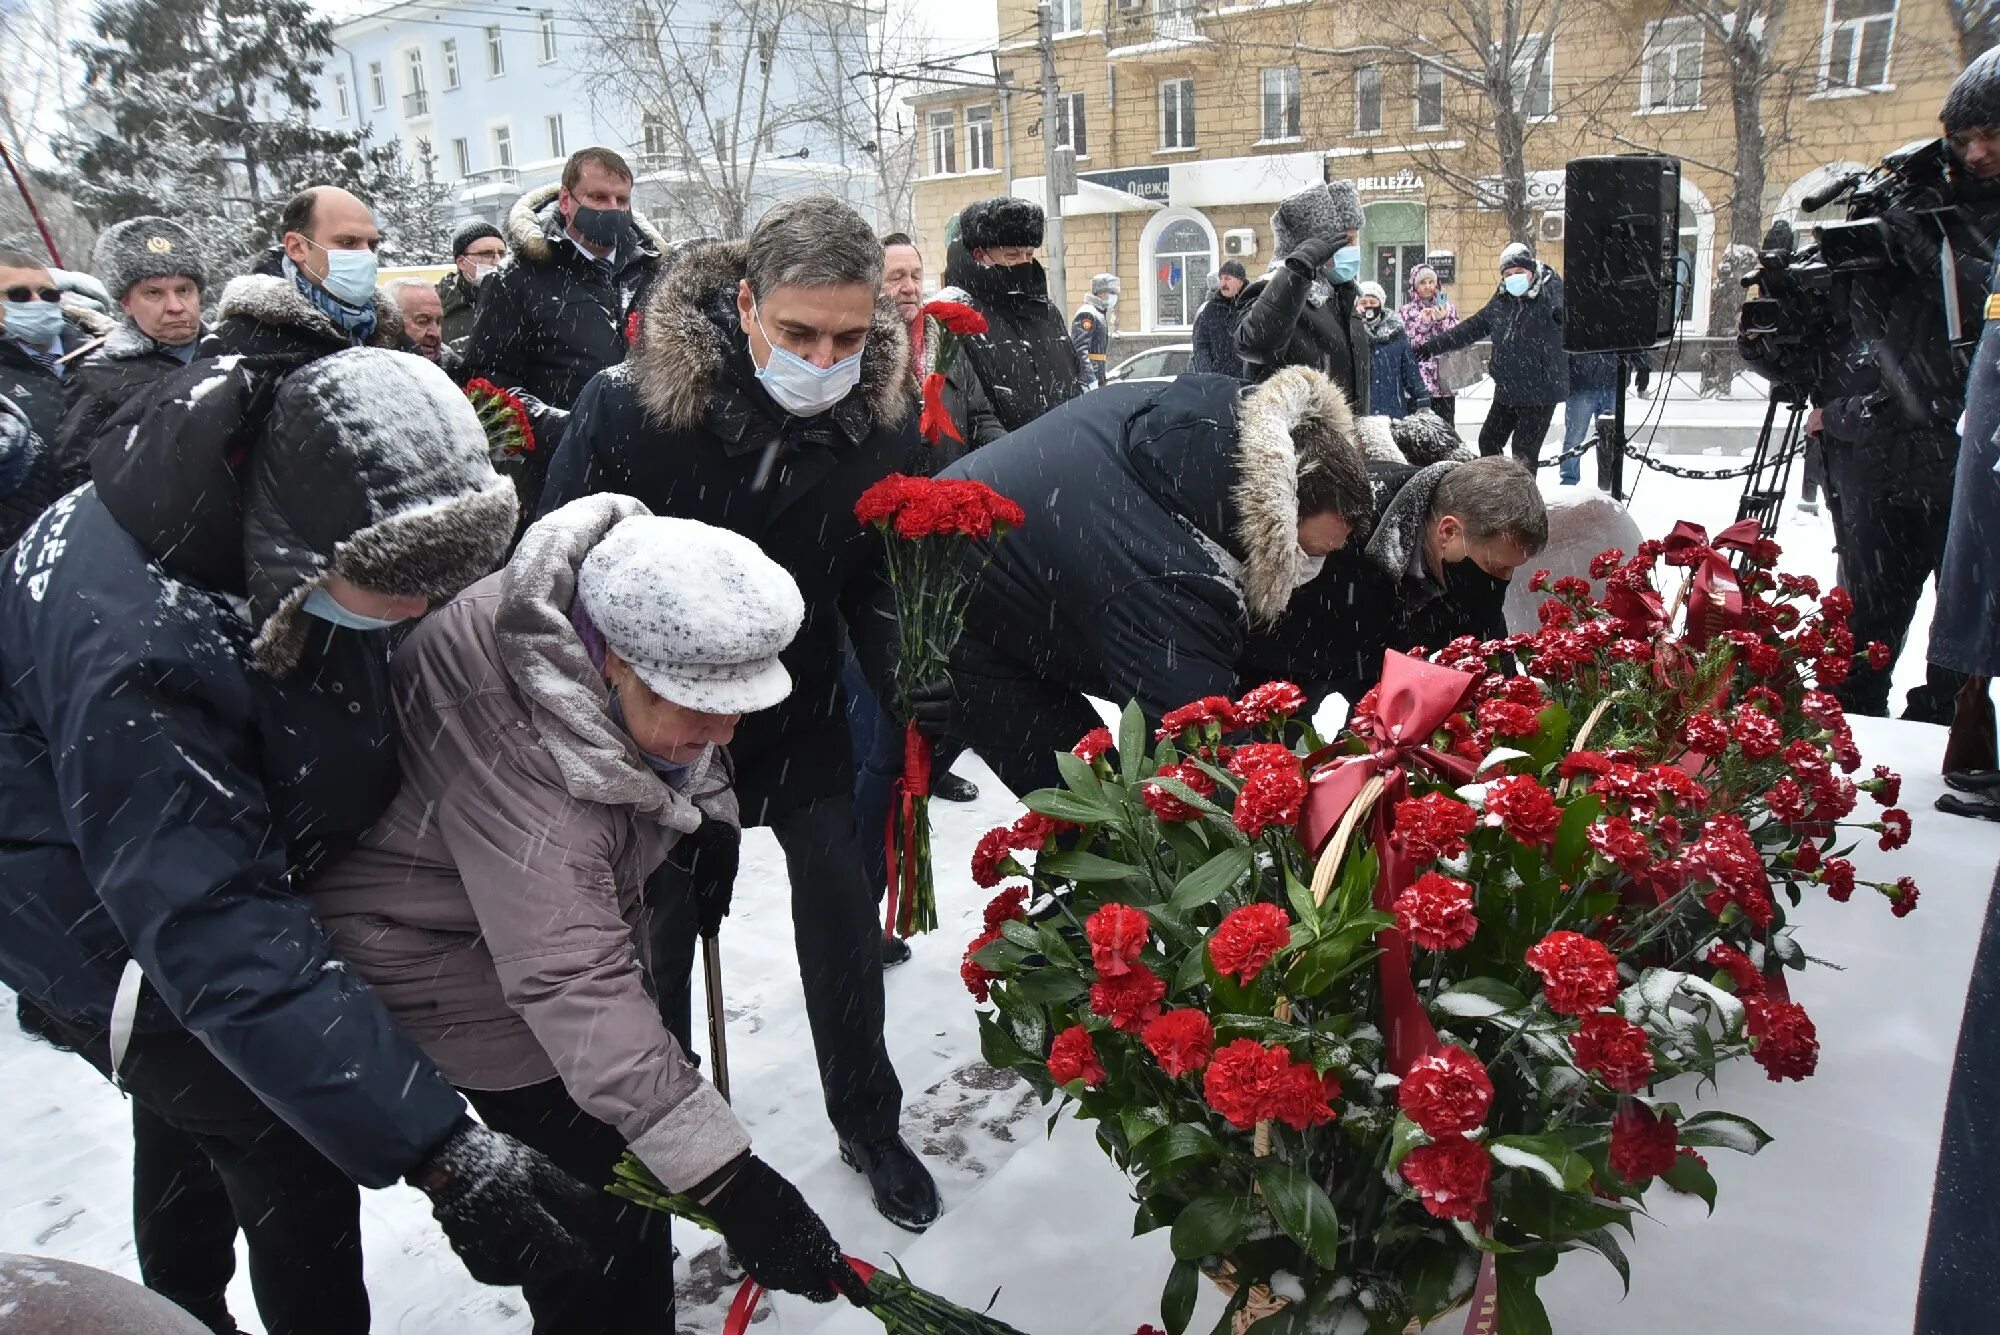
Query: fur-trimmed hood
{"points": [[566, 696], [687, 339], [1401, 528], [535, 229], [274, 300], [1294, 422], [1420, 439]]}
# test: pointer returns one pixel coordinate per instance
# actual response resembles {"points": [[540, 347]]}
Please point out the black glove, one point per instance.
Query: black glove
{"points": [[1642, 379], [509, 1213], [1311, 255], [776, 1235], [933, 707], [711, 855]]}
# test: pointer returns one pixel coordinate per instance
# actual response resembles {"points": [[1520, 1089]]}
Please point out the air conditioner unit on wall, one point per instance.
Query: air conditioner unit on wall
{"points": [[1239, 243], [1552, 227]]}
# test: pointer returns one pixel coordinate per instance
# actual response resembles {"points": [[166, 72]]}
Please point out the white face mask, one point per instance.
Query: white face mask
{"points": [[321, 604], [1109, 299], [1308, 568], [482, 272], [799, 387]]}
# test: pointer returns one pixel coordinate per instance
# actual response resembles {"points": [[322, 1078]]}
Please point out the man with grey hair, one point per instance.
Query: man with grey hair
{"points": [[423, 322], [768, 388]]}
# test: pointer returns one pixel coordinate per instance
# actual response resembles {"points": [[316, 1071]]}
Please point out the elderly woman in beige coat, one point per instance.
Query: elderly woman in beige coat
{"points": [[562, 726]]}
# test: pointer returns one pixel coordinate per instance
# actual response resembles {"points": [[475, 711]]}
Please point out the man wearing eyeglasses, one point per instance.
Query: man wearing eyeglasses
{"points": [[36, 335]]}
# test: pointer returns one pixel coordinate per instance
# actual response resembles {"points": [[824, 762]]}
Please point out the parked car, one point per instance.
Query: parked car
{"points": [[1163, 363]]}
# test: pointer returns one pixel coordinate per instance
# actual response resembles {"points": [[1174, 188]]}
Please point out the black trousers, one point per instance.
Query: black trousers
{"points": [[183, 1226], [839, 941], [1525, 425], [1445, 406], [1889, 547], [300, 1214], [1018, 724], [633, 1294]]}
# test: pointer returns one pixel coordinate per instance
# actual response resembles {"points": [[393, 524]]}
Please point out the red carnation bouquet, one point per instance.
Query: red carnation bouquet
{"points": [[926, 522], [955, 320], [510, 435], [1379, 1028]]}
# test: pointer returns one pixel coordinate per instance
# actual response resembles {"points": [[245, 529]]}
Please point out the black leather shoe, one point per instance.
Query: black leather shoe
{"points": [[1980, 806], [948, 787], [1985, 782], [895, 950], [904, 1192]]}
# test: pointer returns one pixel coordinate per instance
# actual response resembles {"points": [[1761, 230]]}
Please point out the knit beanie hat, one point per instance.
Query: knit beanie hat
{"points": [[1373, 289], [470, 233], [132, 251], [1421, 272], [1003, 221], [699, 613], [1232, 269], [1330, 210], [1517, 256], [1974, 100]]}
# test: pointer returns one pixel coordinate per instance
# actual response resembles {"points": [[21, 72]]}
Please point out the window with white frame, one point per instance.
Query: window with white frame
{"points": [[1177, 113], [378, 86], [1072, 124], [545, 27], [340, 97], [944, 143], [1670, 73], [1368, 99], [1068, 16], [556, 149], [979, 139], [715, 51], [461, 156], [496, 54], [1859, 34], [653, 137], [449, 49], [1427, 99], [1279, 92], [416, 97], [1535, 78], [503, 146], [1179, 265], [767, 49], [646, 28]]}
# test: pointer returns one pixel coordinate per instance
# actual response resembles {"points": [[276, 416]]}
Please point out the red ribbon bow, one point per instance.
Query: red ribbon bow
{"points": [[901, 861], [1715, 601], [751, 1293]]}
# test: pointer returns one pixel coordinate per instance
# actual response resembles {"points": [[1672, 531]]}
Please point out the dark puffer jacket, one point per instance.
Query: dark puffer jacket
{"points": [[1291, 318], [265, 315], [1529, 365], [684, 427], [1214, 336], [181, 746], [460, 300], [41, 395], [122, 369], [1025, 359], [1395, 384]]}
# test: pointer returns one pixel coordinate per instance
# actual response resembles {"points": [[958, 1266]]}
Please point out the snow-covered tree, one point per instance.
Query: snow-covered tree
{"points": [[412, 203], [1977, 23]]}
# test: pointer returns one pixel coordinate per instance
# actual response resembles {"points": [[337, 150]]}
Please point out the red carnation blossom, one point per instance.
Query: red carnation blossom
{"points": [[1894, 828], [1272, 700], [1214, 709], [1246, 762], [1748, 979], [879, 503], [1758, 734], [1181, 1041], [1614, 1049], [1508, 719], [1578, 974], [1247, 939], [1765, 699], [1446, 1093], [992, 859], [1269, 797], [1094, 744], [1765, 660], [1838, 604], [1784, 1041], [1643, 1145], [1887, 786], [1032, 830], [1844, 751], [1520, 805], [1149, 1330], [1451, 1177], [956, 317], [1822, 708], [1787, 802], [1879, 656], [1117, 933], [1074, 1057], [1727, 856], [1905, 897], [1163, 803], [1839, 876], [1249, 1083], [1806, 860], [1615, 839], [1433, 826], [1670, 782], [1572, 586], [1435, 911], [976, 977], [1605, 562], [1539, 582], [1578, 764], [1556, 614], [1705, 733], [1832, 669], [1010, 905], [1130, 1000]]}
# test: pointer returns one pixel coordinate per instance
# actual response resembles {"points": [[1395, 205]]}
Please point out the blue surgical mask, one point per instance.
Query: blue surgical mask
{"points": [[1516, 284], [1345, 266], [350, 274], [321, 604], [37, 323], [799, 387]]}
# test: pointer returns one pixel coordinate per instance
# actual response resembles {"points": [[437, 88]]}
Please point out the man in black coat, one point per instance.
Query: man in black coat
{"points": [[321, 297], [1303, 313], [559, 309], [153, 269], [1165, 523], [1025, 359], [1524, 318], [194, 717], [1214, 336], [769, 388], [38, 335], [477, 248]]}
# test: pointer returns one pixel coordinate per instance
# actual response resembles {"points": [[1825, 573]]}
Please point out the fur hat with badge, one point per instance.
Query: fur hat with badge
{"points": [[1003, 221], [130, 252], [1331, 210]]}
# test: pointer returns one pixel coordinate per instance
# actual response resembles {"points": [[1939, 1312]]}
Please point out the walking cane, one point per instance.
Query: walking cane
{"points": [[718, 1034]]}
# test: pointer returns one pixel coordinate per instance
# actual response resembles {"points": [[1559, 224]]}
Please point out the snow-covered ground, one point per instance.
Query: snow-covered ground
{"points": [[1835, 1207]]}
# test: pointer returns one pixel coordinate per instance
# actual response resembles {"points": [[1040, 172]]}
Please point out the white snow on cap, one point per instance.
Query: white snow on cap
{"points": [[700, 613]]}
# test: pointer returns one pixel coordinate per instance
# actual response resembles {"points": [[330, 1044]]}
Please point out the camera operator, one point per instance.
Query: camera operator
{"points": [[1889, 393]]}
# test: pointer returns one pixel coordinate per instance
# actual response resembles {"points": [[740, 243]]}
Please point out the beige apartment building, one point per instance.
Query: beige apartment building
{"points": [[1190, 119]]}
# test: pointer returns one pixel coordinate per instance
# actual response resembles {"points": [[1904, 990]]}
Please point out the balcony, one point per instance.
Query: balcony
{"points": [[416, 105], [1159, 32]]}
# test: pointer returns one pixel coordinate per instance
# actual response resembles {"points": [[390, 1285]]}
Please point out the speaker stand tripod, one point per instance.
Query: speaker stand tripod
{"points": [[1770, 475]]}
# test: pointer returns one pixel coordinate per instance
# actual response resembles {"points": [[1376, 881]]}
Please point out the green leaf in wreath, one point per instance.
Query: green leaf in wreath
{"points": [[1403, 1137], [1077, 865], [1174, 1148], [1521, 1310], [1689, 1175], [1299, 895], [1048, 985], [1178, 1298], [1022, 934], [1132, 746], [1479, 999], [1080, 778], [1604, 1242], [1193, 971], [1548, 1156], [1576, 820], [1303, 1210], [1551, 740], [1066, 806], [1213, 879], [1724, 1131], [1212, 1225]]}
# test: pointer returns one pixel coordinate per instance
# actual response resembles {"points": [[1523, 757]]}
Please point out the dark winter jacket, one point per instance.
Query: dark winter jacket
{"points": [[1090, 335], [263, 315], [1395, 384], [1965, 628], [1529, 365], [122, 368], [1215, 335], [1177, 532], [41, 395], [181, 746], [684, 427], [1607, 370], [460, 300], [1025, 359], [1291, 318]]}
